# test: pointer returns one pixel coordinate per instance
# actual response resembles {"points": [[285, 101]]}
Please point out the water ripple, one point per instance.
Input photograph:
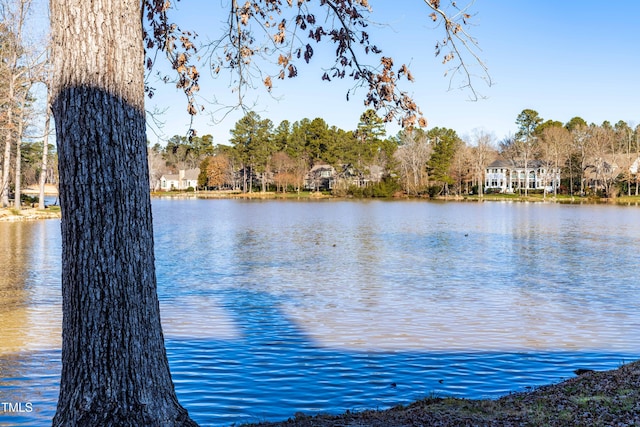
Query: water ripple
{"points": [[271, 308]]}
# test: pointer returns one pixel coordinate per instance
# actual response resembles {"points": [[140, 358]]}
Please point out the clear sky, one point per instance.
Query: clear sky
{"points": [[560, 58]]}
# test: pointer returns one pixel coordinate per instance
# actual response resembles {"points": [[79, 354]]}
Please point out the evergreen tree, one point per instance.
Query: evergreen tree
{"points": [[369, 135], [251, 138], [445, 143], [525, 141]]}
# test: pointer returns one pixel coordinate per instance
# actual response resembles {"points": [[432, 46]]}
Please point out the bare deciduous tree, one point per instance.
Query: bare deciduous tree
{"points": [[481, 152], [554, 145], [582, 148], [14, 73], [605, 157], [463, 169], [412, 156]]}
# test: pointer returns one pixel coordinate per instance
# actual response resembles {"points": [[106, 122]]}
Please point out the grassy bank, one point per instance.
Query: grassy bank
{"points": [[498, 197], [29, 214], [608, 398], [240, 195], [624, 200]]}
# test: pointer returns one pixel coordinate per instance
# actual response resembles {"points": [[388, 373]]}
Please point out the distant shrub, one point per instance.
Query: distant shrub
{"points": [[355, 191], [29, 200], [434, 190], [387, 187], [340, 191]]}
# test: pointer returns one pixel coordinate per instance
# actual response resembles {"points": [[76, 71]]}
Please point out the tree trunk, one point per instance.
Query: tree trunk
{"points": [[45, 154], [555, 183], [17, 198], [114, 365], [4, 189], [637, 174], [244, 178], [526, 176]]}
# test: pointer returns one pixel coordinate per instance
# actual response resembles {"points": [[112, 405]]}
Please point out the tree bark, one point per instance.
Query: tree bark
{"points": [[4, 188], [114, 365], [45, 154], [17, 198]]}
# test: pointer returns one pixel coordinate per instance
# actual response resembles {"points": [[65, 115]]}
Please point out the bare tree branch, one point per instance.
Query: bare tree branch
{"points": [[345, 26]]}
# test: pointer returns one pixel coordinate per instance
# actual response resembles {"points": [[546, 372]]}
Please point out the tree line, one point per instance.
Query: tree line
{"points": [[260, 156], [25, 150], [593, 159]]}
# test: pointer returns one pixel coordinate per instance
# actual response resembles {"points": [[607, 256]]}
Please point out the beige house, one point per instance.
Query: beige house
{"points": [[180, 181]]}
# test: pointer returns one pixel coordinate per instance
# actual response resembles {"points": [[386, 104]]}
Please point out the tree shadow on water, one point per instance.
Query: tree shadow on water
{"points": [[274, 370], [271, 369]]}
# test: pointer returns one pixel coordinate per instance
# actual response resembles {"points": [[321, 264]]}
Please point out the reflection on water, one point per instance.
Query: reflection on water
{"points": [[271, 307], [14, 261], [30, 320], [29, 286]]}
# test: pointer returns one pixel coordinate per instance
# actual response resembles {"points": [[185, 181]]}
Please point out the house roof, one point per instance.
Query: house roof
{"points": [[609, 161], [512, 164], [322, 166], [189, 174], [501, 163], [192, 174]]}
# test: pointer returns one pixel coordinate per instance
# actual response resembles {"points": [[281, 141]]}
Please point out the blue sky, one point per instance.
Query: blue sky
{"points": [[560, 58]]}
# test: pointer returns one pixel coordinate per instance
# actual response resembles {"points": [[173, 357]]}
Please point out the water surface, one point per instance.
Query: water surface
{"points": [[273, 307]]}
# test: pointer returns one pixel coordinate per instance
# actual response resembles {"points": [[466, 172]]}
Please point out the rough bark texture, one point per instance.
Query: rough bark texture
{"points": [[45, 155], [114, 365], [4, 188]]}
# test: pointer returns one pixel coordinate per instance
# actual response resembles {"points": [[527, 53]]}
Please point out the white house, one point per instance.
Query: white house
{"points": [[507, 176], [180, 181]]}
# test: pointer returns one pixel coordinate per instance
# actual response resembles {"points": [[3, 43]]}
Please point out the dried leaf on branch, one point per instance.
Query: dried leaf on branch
{"points": [[344, 25]]}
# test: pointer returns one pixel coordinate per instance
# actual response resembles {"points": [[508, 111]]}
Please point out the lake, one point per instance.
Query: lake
{"points": [[275, 307]]}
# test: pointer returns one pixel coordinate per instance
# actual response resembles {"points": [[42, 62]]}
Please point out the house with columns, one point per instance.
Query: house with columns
{"points": [[508, 176]]}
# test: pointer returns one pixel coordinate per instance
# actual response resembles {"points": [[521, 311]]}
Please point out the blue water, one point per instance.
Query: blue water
{"points": [[272, 308]]}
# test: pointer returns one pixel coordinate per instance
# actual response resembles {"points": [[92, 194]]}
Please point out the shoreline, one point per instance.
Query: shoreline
{"points": [[305, 195], [10, 214], [29, 214], [598, 398]]}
